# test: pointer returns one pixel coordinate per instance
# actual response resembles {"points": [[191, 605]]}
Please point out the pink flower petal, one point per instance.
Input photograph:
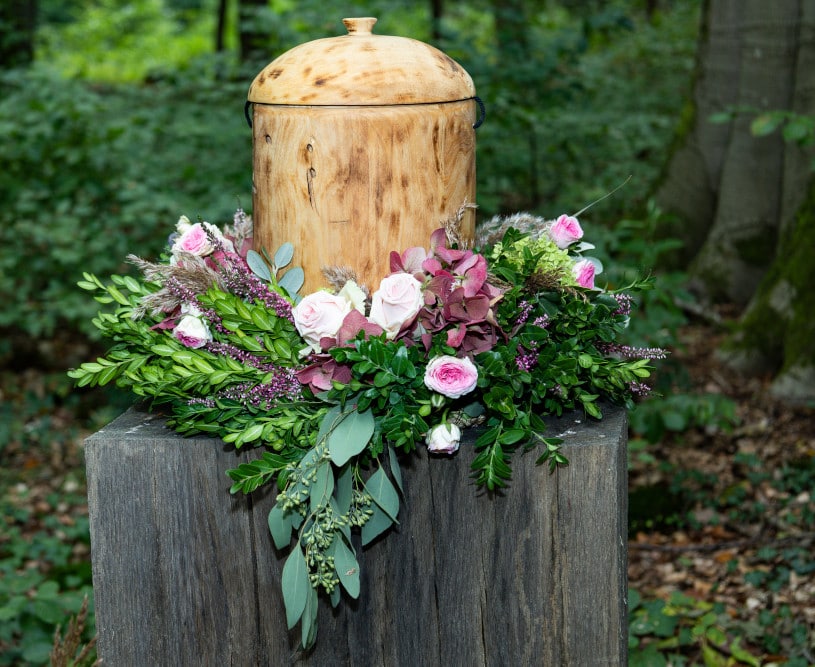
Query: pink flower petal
{"points": [[413, 258], [456, 336]]}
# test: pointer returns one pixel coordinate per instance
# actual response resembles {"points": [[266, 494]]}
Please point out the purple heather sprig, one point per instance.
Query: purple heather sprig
{"points": [[630, 352], [526, 308], [188, 296], [543, 321], [526, 360], [639, 388], [284, 386], [240, 355], [623, 304], [206, 402], [238, 278]]}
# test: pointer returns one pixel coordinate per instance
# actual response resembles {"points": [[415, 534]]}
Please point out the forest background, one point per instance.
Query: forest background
{"points": [[118, 117]]}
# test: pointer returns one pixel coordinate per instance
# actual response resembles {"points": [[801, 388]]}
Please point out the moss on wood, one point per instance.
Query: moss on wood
{"points": [[779, 326]]}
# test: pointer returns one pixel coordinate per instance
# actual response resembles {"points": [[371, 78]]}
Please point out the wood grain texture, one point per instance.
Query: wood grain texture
{"points": [[186, 575], [361, 68], [347, 185]]}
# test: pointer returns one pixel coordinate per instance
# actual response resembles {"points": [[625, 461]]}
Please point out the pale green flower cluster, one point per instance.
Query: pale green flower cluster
{"points": [[552, 259]]}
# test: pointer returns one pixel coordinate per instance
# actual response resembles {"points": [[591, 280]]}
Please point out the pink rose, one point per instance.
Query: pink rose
{"points": [[194, 241], [565, 231], [197, 239], [396, 303], [451, 376], [192, 331], [583, 272], [443, 439], [320, 315]]}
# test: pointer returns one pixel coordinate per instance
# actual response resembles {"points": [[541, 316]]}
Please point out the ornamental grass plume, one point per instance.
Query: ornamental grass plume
{"points": [[492, 231], [64, 651], [240, 231], [338, 276], [190, 275], [452, 227]]}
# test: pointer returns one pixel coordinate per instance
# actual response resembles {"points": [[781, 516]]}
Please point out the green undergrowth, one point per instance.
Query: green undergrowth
{"points": [[44, 571], [683, 631]]}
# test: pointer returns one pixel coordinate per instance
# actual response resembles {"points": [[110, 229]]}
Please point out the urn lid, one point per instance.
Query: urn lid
{"points": [[361, 69]]}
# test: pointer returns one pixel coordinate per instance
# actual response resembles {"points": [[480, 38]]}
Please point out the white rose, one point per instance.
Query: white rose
{"points": [[443, 439], [320, 315], [396, 302], [190, 309], [192, 331], [352, 293], [183, 224]]}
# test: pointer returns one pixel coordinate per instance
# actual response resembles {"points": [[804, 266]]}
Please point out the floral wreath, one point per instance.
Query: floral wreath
{"points": [[335, 385]]}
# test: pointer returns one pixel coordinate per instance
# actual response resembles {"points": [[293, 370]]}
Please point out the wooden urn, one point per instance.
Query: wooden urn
{"points": [[362, 144]]}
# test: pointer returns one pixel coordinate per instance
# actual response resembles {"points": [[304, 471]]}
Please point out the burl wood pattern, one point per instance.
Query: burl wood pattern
{"points": [[346, 185], [361, 68]]}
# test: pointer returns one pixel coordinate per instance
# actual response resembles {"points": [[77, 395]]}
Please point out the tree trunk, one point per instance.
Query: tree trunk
{"points": [[220, 26], [743, 205], [727, 187], [777, 333], [253, 37], [436, 13], [511, 29], [18, 21]]}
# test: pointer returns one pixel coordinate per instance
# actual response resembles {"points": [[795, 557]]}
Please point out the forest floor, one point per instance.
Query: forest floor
{"points": [[730, 512]]}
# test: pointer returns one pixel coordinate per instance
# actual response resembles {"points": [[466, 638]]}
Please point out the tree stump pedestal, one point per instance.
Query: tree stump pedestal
{"points": [[187, 575]]}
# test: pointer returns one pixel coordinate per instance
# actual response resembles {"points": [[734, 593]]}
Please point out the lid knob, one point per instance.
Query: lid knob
{"points": [[359, 26]]}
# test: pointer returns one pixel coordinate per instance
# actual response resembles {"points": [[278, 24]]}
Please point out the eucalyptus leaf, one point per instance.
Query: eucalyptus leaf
{"points": [[323, 486], [377, 524], [383, 493], [280, 526], [347, 567], [329, 421], [295, 584], [350, 436], [282, 258], [258, 266], [309, 624], [344, 489], [393, 460], [292, 280], [474, 409]]}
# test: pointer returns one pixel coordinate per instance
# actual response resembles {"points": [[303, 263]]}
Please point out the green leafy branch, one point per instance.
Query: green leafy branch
{"points": [[323, 498]]}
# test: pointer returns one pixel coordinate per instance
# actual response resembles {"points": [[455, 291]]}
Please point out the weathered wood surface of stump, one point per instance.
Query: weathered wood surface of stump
{"points": [[185, 574]]}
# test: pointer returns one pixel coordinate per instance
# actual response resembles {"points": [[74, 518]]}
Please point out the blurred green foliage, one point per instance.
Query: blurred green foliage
{"points": [[124, 123], [92, 173]]}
